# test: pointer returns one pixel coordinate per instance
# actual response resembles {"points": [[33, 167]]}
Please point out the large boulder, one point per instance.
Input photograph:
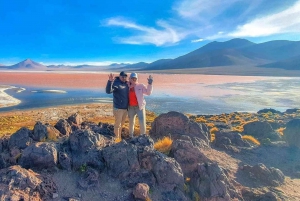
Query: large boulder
{"points": [[166, 170], [261, 130], [292, 132], [176, 124], [187, 155], [39, 156], [75, 119], [39, 132], [223, 139], [84, 140], [18, 183], [20, 139], [260, 173], [92, 158], [211, 183], [43, 132], [63, 127], [121, 158]]}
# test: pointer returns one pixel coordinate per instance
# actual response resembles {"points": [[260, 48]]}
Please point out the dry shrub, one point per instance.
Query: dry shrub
{"points": [[163, 145], [213, 130], [239, 129], [280, 130], [117, 140], [251, 139], [210, 125], [212, 137], [201, 120]]}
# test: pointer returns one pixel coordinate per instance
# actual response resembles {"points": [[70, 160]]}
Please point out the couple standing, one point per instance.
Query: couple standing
{"points": [[128, 98]]}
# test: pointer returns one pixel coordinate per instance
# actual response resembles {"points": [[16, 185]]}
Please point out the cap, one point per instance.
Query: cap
{"points": [[132, 75], [123, 73]]}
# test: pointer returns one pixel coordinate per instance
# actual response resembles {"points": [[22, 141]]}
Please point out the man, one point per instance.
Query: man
{"points": [[119, 87]]}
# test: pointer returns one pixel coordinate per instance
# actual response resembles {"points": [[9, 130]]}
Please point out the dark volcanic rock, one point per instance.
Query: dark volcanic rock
{"points": [[250, 194], [39, 132], [187, 155], [269, 176], [176, 124], [210, 181], [166, 170], [222, 139], [75, 119], [18, 183], [292, 132], [39, 156], [261, 130], [85, 140], [63, 127], [20, 139], [121, 158]]}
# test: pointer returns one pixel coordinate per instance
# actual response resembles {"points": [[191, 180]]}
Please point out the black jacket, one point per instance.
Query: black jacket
{"points": [[120, 92]]}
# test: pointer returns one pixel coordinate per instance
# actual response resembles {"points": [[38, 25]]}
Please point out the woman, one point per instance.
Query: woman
{"points": [[137, 102]]}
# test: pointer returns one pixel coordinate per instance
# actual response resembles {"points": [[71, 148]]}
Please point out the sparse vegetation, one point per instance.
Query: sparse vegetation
{"points": [[251, 139], [164, 145]]}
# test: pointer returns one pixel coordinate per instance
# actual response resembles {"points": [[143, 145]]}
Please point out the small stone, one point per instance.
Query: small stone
{"points": [[55, 195]]}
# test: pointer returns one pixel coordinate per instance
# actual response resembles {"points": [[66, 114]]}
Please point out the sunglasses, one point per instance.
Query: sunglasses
{"points": [[123, 76]]}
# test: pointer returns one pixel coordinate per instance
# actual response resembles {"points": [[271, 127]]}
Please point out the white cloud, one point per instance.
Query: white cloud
{"points": [[148, 35], [201, 9], [198, 40], [287, 21]]}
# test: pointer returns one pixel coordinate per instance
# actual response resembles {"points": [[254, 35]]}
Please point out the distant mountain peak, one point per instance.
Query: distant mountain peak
{"points": [[28, 64]]}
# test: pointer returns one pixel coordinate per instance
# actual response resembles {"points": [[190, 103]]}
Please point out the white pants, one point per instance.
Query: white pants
{"points": [[132, 112]]}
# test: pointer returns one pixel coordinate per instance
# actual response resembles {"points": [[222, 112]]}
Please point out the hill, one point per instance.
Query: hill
{"points": [[28, 64], [288, 64], [235, 52]]}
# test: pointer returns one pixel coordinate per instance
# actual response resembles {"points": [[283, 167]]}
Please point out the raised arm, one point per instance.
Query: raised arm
{"points": [[109, 85]]}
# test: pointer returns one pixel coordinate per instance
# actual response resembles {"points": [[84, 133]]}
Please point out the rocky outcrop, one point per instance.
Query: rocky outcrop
{"points": [[75, 119], [261, 130], [252, 194], [225, 139], [43, 132], [292, 133], [211, 182], [187, 155], [175, 125], [39, 156], [18, 183], [63, 127], [85, 140], [268, 176], [20, 139]]}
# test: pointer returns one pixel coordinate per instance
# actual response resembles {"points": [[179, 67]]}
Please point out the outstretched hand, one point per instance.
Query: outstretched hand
{"points": [[150, 79], [111, 77]]}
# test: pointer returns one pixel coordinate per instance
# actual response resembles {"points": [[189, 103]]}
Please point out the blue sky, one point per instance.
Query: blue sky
{"points": [[104, 32]]}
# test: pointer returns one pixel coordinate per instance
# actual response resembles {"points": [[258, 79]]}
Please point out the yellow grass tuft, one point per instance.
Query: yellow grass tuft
{"points": [[251, 139], [212, 137], [213, 130], [280, 130], [163, 145], [117, 140]]}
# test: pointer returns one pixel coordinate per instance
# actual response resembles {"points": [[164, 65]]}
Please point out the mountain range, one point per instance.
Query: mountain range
{"points": [[236, 52]]}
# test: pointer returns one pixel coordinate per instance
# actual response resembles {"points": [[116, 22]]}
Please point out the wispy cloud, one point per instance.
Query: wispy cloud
{"points": [[209, 20], [287, 21], [198, 40], [147, 35]]}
